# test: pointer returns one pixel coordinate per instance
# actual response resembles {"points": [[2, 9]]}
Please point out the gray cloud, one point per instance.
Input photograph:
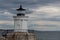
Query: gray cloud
{"points": [[51, 19], [11, 5], [48, 25], [47, 19], [4, 26], [14, 3]]}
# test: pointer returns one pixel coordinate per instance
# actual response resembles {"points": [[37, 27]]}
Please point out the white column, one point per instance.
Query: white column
{"points": [[20, 24]]}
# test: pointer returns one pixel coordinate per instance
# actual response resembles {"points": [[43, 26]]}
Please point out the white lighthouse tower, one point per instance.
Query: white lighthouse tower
{"points": [[20, 20], [20, 27]]}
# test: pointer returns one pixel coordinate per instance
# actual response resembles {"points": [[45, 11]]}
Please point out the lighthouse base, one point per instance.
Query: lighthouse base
{"points": [[21, 36]]}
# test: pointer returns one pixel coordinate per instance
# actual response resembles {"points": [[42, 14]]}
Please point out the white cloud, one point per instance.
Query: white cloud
{"points": [[6, 22], [45, 12], [46, 15], [48, 9], [5, 12]]}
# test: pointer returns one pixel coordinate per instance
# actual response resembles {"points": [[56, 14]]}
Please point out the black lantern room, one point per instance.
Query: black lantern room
{"points": [[21, 11]]}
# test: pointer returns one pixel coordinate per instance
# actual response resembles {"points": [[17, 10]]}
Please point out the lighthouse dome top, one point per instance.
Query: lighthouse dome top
{"points": [[20, 9]]}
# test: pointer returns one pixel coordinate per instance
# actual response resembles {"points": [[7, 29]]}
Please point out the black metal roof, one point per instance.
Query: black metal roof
{"points": [[20, 9]]}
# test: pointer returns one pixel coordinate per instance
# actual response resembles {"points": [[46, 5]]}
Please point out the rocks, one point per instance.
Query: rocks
{"points": [[21, 36], [18, 36], [3, 38]]}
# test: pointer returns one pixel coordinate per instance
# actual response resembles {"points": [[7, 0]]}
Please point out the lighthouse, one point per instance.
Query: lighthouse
{"points": [[20, 20], [21, 27]]}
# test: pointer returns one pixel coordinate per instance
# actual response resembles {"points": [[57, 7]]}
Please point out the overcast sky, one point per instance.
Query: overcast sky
{"points": [[44, 14]]}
